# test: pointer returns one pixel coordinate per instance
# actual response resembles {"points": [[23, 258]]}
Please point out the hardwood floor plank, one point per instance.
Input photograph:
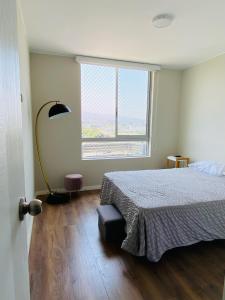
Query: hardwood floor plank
{"points": [[69, 261], [86, 278]]}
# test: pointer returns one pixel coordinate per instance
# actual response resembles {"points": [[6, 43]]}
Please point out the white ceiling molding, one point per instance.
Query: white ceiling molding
{"points": [[116, 63]]}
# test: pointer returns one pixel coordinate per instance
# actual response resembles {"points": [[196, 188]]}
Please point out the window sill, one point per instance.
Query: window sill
{"points": [[116, 158]]}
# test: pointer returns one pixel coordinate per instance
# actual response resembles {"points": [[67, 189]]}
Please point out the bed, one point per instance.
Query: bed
{"points": [[166, 208]]}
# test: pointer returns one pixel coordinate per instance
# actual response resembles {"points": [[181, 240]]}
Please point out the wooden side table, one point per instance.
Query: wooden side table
{"points": [[177, 160]]}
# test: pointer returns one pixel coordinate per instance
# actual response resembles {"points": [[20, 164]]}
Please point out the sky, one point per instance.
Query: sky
{"points": [[98, 91]]}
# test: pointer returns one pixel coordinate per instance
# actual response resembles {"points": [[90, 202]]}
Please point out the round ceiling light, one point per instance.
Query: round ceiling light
{"points": [[163, 20]]}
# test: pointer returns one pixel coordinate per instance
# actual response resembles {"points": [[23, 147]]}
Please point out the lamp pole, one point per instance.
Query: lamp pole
{"points": [[38, 147]]}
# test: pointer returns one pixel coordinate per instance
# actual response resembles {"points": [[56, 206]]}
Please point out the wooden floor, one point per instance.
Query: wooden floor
{"points": [[69, 261]]}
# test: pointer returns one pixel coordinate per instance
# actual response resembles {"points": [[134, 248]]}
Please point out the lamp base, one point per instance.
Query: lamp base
{"points": [[57, 198]]}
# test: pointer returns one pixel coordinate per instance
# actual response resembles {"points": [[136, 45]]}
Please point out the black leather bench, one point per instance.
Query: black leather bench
{"points": [[111, 223]]}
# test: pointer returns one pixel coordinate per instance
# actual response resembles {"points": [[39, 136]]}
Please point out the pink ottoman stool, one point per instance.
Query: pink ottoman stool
{"points": [[73, 182]]}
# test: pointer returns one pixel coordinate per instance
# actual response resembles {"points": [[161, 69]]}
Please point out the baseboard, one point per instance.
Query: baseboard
{"points": [[62, 190]]}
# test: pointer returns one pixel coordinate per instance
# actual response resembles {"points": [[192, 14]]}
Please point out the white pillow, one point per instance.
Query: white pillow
{"points": [[209, 167]]}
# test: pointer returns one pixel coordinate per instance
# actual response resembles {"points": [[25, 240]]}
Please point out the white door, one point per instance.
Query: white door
{"points": [[14, 279]]}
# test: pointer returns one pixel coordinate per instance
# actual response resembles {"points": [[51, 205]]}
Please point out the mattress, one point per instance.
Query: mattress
{"points": [[166, 208]]}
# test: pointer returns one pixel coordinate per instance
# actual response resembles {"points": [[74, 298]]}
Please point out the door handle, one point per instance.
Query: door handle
{"points": [[34, 207]]}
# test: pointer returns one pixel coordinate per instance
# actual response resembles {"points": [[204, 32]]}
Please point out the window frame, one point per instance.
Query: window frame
{"points": [[123, 138]]}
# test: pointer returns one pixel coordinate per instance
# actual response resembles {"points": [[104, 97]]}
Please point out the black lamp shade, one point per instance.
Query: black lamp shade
{"points": [[57, 110]]}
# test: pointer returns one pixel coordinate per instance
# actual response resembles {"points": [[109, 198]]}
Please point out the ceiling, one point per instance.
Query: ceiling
{"points": [[122, 29]]}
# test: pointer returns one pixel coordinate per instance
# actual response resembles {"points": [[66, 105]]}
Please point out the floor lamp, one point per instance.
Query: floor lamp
{"points": [[57, 110]]}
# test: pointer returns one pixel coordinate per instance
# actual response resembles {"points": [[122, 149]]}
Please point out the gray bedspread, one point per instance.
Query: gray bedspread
{"points": [[167, 208]]}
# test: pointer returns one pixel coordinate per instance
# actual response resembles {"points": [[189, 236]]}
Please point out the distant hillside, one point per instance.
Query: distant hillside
{"points": [[100, 120]]}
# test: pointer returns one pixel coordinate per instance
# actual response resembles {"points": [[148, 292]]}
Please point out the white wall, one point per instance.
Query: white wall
{"points": [[56, 77], [26, 117], [202, 113]]}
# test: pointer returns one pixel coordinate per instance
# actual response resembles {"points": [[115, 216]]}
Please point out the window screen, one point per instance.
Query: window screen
{"points": [[115, 112]]}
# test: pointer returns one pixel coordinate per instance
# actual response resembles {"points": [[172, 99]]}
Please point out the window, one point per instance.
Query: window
{"points": [[115, 111]]}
